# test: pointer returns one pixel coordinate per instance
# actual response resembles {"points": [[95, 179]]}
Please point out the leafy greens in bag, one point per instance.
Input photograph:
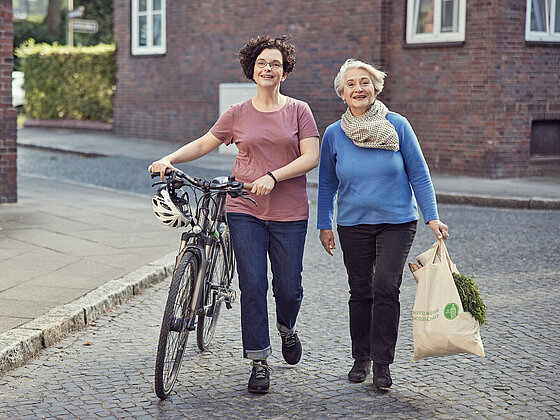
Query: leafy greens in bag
{"points": [[470, 297]]}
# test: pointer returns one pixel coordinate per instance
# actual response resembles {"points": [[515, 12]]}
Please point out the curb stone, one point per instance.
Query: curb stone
{"points": [[21, 344], [488, 201], [17, 346], [71, 124], [502, 202]]}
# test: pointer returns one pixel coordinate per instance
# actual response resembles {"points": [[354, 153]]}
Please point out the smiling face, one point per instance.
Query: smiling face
{"points": [[272, 73], [358, 91]]}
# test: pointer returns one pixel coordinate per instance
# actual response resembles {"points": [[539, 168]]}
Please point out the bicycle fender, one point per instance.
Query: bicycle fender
{"points": [[198, 287]]}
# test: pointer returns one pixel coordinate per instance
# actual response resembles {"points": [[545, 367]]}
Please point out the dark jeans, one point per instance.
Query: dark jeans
{"points": [[253, 239], [374, 256]]}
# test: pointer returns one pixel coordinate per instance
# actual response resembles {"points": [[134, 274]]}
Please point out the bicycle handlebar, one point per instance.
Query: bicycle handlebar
{"points": [[231, 187], [202, 183]]}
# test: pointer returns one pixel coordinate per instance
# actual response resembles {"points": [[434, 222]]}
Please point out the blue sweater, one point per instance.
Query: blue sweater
{"points": [[374, 186]]}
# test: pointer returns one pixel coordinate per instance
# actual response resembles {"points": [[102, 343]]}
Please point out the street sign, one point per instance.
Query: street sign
{"points": [[84, 26], [77, 13]]}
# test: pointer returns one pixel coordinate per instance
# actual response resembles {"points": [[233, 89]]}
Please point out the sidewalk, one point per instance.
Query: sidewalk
{"points": [[69, 253], [535, 192]]}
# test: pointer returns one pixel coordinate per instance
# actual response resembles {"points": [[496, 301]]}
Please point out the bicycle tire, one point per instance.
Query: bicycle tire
{"points": [[226, 238], [219, 281], [174, 333]]}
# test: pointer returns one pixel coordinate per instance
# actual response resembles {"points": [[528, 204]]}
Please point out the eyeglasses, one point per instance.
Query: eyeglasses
{"points": [[274, 65]]}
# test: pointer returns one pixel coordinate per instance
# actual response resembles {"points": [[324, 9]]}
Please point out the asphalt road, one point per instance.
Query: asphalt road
{"points": [[106, 370], [126, 174]]}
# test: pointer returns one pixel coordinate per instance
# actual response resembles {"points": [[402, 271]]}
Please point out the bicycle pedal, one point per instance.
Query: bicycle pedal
{"points": [[232, 296]]}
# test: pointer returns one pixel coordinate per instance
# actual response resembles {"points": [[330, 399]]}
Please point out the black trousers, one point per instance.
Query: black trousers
{"points": [[374, 256]]}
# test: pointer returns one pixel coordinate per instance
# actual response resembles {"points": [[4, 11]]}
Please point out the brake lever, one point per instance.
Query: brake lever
{"points": [[159, 183], [245, 194]]}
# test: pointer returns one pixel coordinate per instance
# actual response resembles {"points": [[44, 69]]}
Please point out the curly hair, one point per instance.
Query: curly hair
{"points": [[251, 50]]}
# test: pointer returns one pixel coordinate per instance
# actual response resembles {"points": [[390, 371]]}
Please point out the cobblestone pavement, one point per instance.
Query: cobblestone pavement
{"points": [[106, 370]]}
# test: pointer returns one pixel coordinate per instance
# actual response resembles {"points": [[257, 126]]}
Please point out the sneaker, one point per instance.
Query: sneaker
{"points": [[291, 347], [259, 382], [359, 371], [382, 376]]}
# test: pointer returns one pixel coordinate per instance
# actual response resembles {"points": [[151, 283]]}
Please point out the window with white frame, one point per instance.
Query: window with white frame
{"points": [[148, 27], [435, 21], [543, 20]]}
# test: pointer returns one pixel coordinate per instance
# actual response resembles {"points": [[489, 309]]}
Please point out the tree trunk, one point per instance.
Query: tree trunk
{"points": [[53, 18]]}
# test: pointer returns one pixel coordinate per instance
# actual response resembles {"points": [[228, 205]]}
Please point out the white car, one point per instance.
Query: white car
{"points": [[18, 94]]}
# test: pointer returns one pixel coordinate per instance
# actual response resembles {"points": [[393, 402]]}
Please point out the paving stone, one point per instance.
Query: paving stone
{"points": [[113, 378]]}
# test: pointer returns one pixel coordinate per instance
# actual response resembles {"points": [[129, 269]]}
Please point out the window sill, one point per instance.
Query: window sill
{"points": [[435, 44], [148, 54], [542, 43], [544, 159]]}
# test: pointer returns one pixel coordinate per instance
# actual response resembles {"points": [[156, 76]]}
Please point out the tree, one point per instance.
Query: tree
{"points": [[54, 19]]}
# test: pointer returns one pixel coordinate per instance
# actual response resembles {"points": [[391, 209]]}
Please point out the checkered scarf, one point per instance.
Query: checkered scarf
{"points": [[371, 129]]}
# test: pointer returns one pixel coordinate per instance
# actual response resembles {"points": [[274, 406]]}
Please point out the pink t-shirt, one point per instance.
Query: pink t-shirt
{"points": [[268, 141]]}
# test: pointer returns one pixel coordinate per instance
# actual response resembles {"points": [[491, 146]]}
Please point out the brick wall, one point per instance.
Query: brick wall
{"points": [[8, 115], [471, 105], [176, 96]]}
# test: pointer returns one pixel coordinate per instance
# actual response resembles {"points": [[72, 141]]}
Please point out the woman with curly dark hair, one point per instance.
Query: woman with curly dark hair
{"points": [[278, 144]]}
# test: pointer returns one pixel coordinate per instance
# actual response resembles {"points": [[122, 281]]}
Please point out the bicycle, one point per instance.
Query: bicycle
{"points": [[204, 266]]}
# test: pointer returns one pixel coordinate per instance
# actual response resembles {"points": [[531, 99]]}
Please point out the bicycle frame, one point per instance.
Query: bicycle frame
{"points": [[206, 235]]}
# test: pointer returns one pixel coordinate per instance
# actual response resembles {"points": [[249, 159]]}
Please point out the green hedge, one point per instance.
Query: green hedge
{"points": [[63, 82]]}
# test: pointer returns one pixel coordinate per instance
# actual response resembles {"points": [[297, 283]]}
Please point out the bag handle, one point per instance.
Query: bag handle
{"points": [[443, 248]]}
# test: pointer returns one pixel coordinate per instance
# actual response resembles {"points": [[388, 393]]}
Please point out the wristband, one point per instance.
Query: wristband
{"points": [[273, 177]]}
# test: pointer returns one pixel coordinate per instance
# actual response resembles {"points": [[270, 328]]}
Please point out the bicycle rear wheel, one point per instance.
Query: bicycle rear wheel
{"points": [[174, 330], [213, 298]]}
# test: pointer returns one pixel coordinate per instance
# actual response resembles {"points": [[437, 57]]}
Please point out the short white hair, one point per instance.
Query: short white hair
{"points": [[377, 76]]}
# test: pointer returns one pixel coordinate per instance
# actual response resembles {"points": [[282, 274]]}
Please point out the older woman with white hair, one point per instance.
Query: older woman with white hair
{"points": [[372, 162]]}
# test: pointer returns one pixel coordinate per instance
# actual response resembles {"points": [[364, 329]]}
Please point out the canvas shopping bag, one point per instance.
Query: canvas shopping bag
{"points": [[440, 326]]}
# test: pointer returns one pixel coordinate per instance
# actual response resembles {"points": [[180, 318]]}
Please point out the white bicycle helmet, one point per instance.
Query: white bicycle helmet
{"points": [[171, 212]]}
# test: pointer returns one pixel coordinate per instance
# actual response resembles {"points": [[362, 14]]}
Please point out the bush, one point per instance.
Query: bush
{"points": [[63, 82], [28, 29]]}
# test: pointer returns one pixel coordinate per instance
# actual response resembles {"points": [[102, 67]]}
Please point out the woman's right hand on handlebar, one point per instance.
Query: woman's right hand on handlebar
{"points": [[161, 166]]}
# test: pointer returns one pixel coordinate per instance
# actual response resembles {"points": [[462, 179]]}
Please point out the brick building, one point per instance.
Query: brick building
{"points": [[479, 82], [8, 115]]}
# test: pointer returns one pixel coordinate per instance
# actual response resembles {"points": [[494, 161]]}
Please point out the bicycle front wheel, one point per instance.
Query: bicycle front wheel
{"points": [[226, 238], [218, 282], [177, 318]]}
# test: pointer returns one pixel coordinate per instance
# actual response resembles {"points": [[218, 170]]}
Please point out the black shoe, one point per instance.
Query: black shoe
{"points": [[259, 382], [360, 370], [382, 376], [291, 347]]}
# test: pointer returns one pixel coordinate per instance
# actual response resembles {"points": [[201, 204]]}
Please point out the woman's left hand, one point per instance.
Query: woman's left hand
{"points": [[440, 229], [263, 185]]}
